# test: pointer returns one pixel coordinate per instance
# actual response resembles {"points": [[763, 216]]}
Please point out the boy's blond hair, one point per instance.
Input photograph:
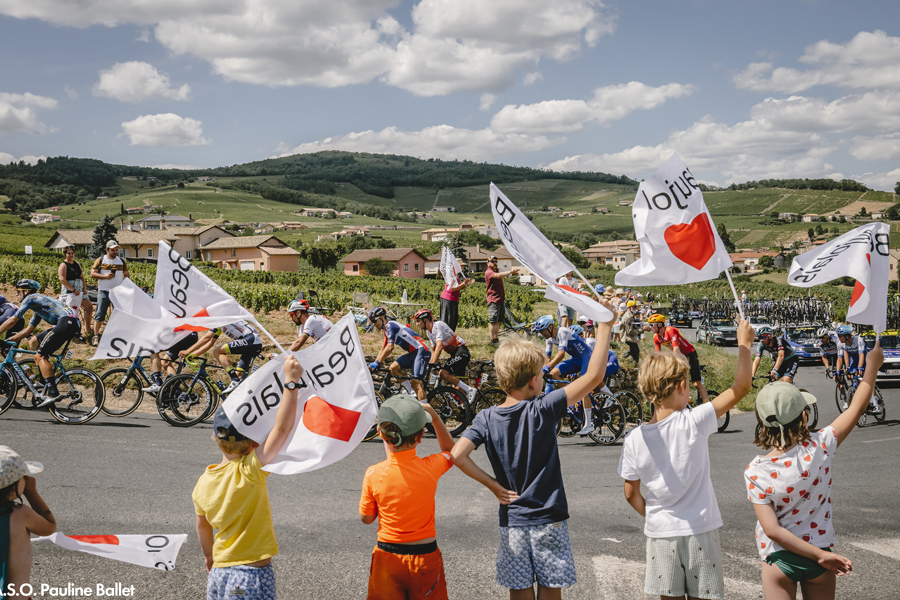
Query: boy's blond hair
{"points": [[229, 447], [660, 374], [516, 361]]}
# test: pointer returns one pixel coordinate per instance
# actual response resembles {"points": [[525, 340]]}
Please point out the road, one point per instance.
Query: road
{"points": [[135, 475]]}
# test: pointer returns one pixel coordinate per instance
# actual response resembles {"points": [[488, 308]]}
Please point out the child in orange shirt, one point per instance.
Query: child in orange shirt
{"points": [[399, 492]]}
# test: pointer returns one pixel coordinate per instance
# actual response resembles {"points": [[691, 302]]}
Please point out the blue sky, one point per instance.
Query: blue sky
{"points": [[741, 90]]}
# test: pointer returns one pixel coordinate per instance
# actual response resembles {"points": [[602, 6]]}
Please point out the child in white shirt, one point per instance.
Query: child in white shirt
{"points": [[790, 489], [670, 455]]}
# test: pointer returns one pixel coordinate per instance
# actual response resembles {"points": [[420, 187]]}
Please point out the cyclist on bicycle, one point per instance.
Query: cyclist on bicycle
{"points": [[786, 360], [167, 360], [612, 361], [245, 342], [66, 325], [828, 346], [313, 326], [851, 353], [671, 337], [445, 339], [417, 356], [8, 309]]}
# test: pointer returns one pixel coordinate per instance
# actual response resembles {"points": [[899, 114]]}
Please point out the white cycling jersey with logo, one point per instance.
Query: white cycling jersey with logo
{"points": [[316, 327]]}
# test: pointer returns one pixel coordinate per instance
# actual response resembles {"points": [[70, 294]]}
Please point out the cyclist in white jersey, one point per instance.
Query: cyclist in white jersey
{"points": [[309, 325], [444, 339], [245, 342]]}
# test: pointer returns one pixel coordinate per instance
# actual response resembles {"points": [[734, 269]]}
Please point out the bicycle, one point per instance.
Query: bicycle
{"points": [[844, 392], [479, 398], [812, 410], [125, 387], [82, 387], [189, 398], [607, 417], [725, 419], [636, 410]]}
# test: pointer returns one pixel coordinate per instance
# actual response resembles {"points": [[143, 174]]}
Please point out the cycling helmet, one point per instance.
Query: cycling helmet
{"points": [[577, 329], [844, 330], [657, 318], [822, 332], [376, 313], [542, 323], [582, 320], [424, 313], [28, 284], [764, 331], [589, 325], [600, 288], [298, 306]]}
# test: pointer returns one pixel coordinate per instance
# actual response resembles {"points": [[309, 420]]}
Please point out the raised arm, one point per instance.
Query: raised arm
{"points": [[582, 386], [287, 411], [742, 379], [846, 422]]}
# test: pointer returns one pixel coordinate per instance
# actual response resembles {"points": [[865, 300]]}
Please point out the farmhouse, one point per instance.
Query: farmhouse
{"points": [[408, 262], [788, 216], [190, 239], [604, 252], [163, 221], [250, 253], [38, 218], [141, 244]]}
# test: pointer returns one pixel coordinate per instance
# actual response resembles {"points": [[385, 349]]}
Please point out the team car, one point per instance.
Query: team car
{"points": [[680, 318], [720, 332], [802, 340], [890, 344]]}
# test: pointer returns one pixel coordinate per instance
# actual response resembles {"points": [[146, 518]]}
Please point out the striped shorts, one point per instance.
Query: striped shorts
{"points": [[686, 564]]}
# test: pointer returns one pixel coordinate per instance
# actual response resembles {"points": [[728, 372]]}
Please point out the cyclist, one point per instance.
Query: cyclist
{"points": [[786, 360], [245, 342], [65, 326], [8, 309], [851, 353], [445, 339], [828, 346], [167, 360], [417, 355], [313, 326], [671, 337]]}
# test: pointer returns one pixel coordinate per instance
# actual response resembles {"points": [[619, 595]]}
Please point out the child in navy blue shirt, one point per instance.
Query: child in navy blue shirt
{"points": [[519, 437]]}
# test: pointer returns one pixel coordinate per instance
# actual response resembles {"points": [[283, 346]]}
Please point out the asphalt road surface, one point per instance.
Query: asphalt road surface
{"points": [[135, 475]]}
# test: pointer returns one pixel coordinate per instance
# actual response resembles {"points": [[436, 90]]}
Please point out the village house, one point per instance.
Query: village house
{"points": [[140, 244], [750, 260], [39, 218], [314, 212], [811, 218], [164, 221], [408, 262], [190, 239], [788, 216], [262, 228], [604, 252], [290, 226], [444, 209], [250, 253]]}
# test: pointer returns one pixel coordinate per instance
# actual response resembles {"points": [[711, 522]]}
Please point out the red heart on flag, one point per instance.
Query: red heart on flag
{"points": [[693, 244], [202, 313], [329, 420], [859, 288], [96, 539]]}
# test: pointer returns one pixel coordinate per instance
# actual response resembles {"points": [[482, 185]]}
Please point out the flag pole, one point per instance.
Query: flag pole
{"points": [[271, 337], [737, 302], [588, 283]]}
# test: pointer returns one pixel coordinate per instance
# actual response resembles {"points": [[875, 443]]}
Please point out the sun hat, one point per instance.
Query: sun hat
{"points": [[13, 468], [223, 428], [780, 403], [619, 291], [404, 411], [112, 244]]}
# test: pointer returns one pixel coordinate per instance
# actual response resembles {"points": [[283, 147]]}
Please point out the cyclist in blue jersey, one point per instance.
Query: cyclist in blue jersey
{"points": [[786, 360], [417, 355], [65, 326], [827, 345], [8, 309], [245, 343], [851, 351]]}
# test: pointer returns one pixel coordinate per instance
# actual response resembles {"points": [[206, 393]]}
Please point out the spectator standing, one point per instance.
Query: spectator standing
{"points": [[496, 297], [71, 277], [109, 270], [627, 331], [565, 313], [450, 302]]}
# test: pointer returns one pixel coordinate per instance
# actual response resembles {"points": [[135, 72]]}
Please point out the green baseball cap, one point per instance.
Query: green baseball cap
{"points": [[13, 468], [405, 412], [780, 402]]}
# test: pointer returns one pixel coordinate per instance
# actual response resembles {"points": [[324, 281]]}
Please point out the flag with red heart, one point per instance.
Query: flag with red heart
{"points": [[679, 242], [158, 551], [863, 254]]}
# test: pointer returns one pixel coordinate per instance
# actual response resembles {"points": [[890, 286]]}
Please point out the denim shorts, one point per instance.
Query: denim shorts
{"points": [[103, 304], [539, 552]]}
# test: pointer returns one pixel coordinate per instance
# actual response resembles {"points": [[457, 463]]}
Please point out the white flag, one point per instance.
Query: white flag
{"points": [[584, 304], [525, 242], [185, 291], [679, 242], [335, 405], [153, 551], [450, 268], [863, 254]]}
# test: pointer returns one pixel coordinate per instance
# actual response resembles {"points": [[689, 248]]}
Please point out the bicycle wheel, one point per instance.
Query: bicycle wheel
{"points": [[8, 388], [123, 393], [567, 426], [608, 419], [879, 416], [81, 396], [812, 416], [840, 398], [634, 408], [373, 431], [452, 407], [487, 398], [183, 401]]}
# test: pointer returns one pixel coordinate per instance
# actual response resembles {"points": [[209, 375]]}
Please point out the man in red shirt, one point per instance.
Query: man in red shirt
{"points": [[671, 337], [496, 297]]}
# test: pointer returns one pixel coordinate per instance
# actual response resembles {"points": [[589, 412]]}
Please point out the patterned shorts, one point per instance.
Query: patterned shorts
{"points": [[241, 583], [541, 553], [686, 564]]}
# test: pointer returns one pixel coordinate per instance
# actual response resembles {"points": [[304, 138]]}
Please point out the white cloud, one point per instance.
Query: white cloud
{"points": [[164, 130], [608, 104], [138, 81], [531, 78], [6, 158], [453, 45], [18, 113], [880, 181], [879, 147], [487, 101], [441, 141], [868, 61], [872, 111], [72, 94]]}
